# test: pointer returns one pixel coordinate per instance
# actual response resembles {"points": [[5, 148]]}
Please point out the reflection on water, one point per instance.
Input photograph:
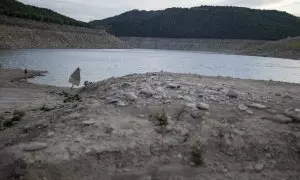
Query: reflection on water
{"points": [[101, 64]]}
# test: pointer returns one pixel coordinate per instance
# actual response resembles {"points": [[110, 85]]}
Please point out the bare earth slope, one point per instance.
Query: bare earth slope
{"points": [[20, 33], [241, 129]]}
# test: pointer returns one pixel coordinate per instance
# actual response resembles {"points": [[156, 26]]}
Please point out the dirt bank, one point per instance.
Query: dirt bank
{"points": [[20, 33], [287, 48], [158, 126]]}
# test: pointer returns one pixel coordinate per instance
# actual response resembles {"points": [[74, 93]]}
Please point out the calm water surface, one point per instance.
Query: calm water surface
{"points": [[97, 65]]}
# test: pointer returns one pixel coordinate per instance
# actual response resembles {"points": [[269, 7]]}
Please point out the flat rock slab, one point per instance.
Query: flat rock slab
{"points": [[279, 118], [203, 106], [257, 106], [242, 107], [34, 146]]}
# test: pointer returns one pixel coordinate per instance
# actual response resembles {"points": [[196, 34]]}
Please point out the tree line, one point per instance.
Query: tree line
{"points": [[14, 8], [204, 22]]}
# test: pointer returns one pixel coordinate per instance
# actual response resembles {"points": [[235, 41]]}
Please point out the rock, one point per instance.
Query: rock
{"points": [[197, 114], [277, 94], [286, 96], [203, 106], [190, 105], [34, 146], [242, 107], [271, 111], [113, 101], [250, 112], [259, 167], [88, 122], [249, 168], [173, 86], [121, 103], [187, 98], [291, 113], [126, 85], [257, 106], [147, 92], [232, 93], [131, 96], [279, 118], [50, 134], [38, 124], [141, 116]]}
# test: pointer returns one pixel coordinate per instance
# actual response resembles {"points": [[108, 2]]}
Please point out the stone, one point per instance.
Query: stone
{"points": [[141, 116], [197, 114], [286, 96], [249, 168], [271, 111], [50, 134], [34, 146], [113, 101], [187, 98], [279, 118], [173, 86], [277, 94], [293, 114], [88, 122], [121, 103], [131, 96], [259, 167], [250, 112], [126, 85], [38, 124], [257, 106], [203, 106], [242, 107], [190, 105], [147, 92], [232, 93]]}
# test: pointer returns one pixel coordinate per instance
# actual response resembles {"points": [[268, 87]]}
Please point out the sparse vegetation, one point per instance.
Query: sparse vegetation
{"points": [[46, 108], [162, 118], [72, 98], [18, 115], [179, 112], [197, 154]]}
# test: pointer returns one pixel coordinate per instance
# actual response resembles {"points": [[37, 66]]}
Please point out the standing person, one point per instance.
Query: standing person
{"points": [[26, 72]]}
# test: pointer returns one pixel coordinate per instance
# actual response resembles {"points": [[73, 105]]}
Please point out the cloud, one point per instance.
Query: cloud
{"points": [[87, 10]]}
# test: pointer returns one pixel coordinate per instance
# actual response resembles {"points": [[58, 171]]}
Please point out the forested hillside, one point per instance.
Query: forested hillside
{"points": [[14, 8], [204, 22]]}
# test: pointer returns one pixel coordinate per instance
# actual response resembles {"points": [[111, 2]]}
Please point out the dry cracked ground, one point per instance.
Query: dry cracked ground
{"points": [[156, 126]]}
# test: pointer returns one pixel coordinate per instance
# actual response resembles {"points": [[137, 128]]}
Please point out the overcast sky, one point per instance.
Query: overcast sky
{"points": [[87, 10]]}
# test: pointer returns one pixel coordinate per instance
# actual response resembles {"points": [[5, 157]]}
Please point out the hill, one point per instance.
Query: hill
{"points": [[14, 8], [204, 22]]}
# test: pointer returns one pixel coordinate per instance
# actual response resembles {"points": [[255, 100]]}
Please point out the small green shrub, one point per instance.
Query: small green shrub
{"points": [[162, 118], [72, 98], [197, 154]]}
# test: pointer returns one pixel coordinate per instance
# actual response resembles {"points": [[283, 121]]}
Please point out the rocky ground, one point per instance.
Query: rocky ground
{"points": [[21, 33], [156, 126]]}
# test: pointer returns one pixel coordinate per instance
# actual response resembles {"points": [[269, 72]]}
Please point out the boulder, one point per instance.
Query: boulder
{"points": [[197, 114], [232, 93], [173, 86], [147, 92], [257, 106], [187, 98], [242, 107], [203, 106], [131, 96], [126, 85]]}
